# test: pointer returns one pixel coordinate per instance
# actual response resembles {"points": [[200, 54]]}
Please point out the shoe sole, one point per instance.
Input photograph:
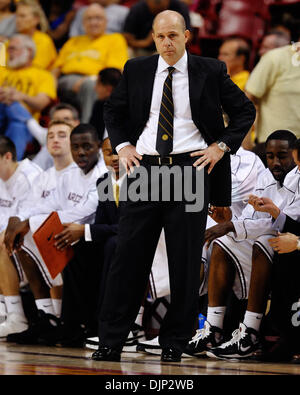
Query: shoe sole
{"points": [[235, 358]]}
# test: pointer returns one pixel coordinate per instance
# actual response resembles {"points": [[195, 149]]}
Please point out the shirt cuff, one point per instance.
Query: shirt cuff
{"points": [[279, 222], [87, 233], [120, 146], [240, 230]]}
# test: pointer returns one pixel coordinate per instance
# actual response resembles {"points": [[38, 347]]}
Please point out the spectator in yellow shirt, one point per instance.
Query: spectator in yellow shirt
{"points": [[82, 57], [235, 53], [30, 18], [21, 82]]}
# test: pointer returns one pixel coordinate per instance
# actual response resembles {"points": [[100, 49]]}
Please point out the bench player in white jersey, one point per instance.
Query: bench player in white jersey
{"points": [[239, 245], [75, 199], [17, 179], [245, 169]]}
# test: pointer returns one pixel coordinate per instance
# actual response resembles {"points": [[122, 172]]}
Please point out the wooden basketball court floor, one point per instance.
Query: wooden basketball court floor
{"points": [[40, 360]]}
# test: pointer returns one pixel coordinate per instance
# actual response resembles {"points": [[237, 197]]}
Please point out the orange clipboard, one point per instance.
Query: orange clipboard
{"points": [[54, 259]]}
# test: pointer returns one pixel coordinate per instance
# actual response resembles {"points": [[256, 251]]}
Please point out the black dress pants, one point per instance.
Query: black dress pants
{"points": [[140, 226]]}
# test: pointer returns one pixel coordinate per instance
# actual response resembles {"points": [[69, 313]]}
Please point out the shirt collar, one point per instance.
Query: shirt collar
{"points": [[181, 65]]}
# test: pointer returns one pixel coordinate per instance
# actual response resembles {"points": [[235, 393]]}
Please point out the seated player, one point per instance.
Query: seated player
{"points": [[235, 254]]}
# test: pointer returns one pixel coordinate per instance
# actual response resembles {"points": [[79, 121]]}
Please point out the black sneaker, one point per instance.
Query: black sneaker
{"points": [[44, 325], [204, 339], [244, 343]]}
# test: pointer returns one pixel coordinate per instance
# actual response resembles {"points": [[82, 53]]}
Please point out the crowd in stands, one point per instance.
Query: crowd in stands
{"points": [[59, 62]]}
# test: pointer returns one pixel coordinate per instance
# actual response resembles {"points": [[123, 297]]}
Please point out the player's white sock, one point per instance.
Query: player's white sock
{"points": [[215, 316], [57, 306], [252, 320], [139, 318], [46, 305], [14, 305], [3, 311]]}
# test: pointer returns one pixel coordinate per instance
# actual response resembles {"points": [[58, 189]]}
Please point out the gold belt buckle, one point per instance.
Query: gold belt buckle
{"points": [[160, 162]]}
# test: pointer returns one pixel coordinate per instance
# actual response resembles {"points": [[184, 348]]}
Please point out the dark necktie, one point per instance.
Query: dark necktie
{"points": [[164, 141]]}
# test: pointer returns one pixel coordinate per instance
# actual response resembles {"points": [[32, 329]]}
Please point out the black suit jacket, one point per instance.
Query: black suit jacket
{"points": [[107, 217], [210, 90]]}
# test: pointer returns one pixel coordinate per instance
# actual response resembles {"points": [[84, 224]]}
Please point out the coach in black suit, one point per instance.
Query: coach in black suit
{"points": [[167, 110]]}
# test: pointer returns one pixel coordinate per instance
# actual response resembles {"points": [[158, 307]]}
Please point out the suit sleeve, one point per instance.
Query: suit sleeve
{"points": [[239, 108], [101, 229], [116, 111]]}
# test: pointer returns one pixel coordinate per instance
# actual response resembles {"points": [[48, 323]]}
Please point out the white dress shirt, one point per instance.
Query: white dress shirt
{"points": [[186, 136]]}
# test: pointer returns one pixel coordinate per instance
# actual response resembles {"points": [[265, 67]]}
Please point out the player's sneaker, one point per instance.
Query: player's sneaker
{"points": [[204, 339], [149, 346], [135, 335], [243, 344], [14, 323], [43, 328]]}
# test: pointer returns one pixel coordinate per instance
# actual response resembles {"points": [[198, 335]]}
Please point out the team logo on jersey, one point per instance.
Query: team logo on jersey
{"points": [[74, 197], [6, 203]]}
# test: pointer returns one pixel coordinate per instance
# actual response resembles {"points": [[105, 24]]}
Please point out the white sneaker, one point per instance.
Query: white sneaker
{"points": [[149, 346], [15, 323], [92, 343]]}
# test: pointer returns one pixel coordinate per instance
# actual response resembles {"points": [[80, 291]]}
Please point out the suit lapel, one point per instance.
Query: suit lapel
{"points": [[197, 79]]}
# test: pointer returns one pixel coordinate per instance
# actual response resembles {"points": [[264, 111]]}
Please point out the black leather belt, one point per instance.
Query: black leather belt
{"points": [[175, 159]]}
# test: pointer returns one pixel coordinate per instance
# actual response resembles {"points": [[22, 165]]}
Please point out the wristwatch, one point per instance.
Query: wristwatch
{"points": [[223, 147], [298, 244]]}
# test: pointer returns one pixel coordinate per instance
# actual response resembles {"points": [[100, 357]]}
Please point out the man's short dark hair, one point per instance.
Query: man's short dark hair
{"points": [[64, 106], [86, 128], [243, 48], [7, 145], [296, 146], [282, 134], [110, 76]]}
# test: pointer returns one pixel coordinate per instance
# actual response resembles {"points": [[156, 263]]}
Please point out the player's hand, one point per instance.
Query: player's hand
{"points": [[220, 214], [264, 204], [14, 234], [209, 156], [217, 231], [284, 243], [129, 158], [71, 233]]}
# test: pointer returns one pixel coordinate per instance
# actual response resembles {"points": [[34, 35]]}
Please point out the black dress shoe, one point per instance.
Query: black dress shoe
{"points": [[106, 354], [170, 355]]}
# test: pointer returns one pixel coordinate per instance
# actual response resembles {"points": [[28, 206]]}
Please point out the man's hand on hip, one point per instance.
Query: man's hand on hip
{"points": [[129, 157], [209, 156]]}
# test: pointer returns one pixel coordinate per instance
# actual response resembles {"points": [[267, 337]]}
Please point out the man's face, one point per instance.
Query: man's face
{"points": [[18, 56], [85, 151], [58, 140], [103, 91], [65, 115], [227, 53], [25, 19], [279, 158], [94, 21], [170, 38], [268, 43], [111, 160]]}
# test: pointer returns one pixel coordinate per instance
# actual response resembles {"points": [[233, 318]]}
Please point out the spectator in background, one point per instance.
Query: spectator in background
{"points": [[31, 20], [108, 79], [115, 14], [138, 24], [82, 57], [60, 15], [274, 86], [7, 19], [273, 39], [21, 82], [235, 52]]}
